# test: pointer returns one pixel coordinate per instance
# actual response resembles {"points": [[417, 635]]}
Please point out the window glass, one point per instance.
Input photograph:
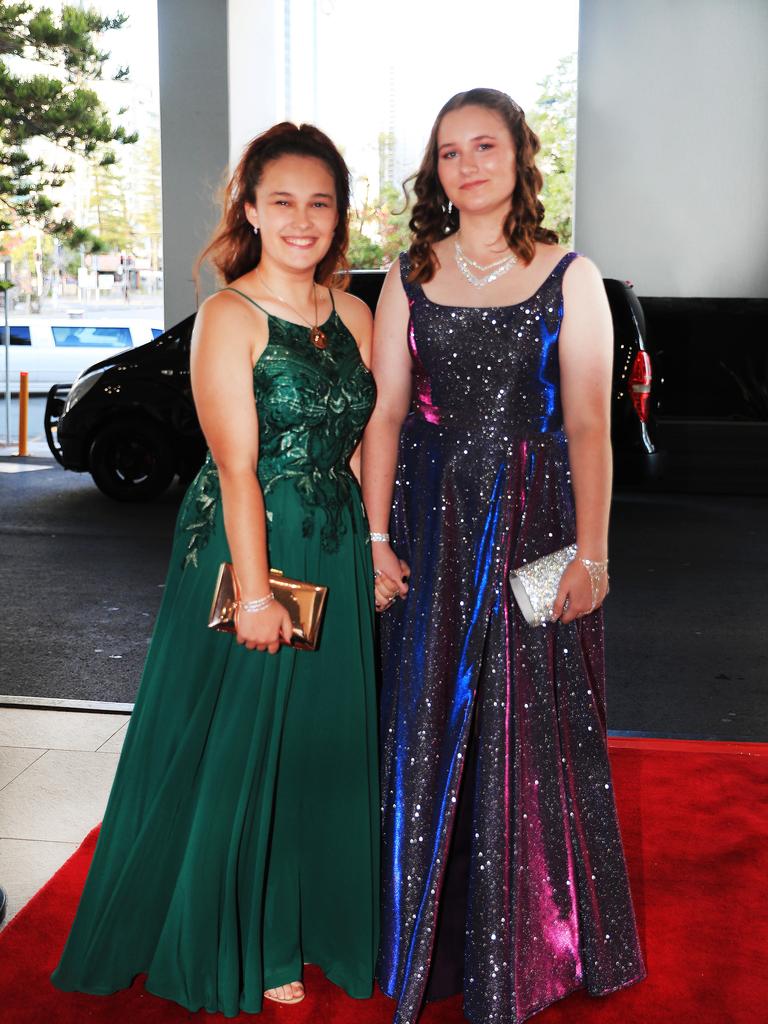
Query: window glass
{"points": [[401, 62], [19, 335], [118, 204], [73, 336]]}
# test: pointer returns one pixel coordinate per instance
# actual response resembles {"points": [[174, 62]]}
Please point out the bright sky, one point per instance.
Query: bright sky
{"points": [[390, 62], [135, 44], [398, 61]]}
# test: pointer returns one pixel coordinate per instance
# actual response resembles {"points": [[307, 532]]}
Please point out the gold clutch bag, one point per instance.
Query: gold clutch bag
{"points": [[304, 602]]}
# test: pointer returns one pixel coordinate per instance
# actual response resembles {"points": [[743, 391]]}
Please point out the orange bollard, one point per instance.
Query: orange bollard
{"points": [[23, 411]]}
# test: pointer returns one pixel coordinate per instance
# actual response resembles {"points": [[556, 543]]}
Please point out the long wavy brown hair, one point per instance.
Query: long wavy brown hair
{"points": [[234, 249], [430, 220]]}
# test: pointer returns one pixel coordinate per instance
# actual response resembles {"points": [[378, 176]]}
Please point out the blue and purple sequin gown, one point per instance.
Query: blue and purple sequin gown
{"points": [[503, 867]]}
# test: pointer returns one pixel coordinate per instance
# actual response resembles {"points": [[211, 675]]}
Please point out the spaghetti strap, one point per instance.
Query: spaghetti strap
{"points": [[333, 301], [237, 291]]}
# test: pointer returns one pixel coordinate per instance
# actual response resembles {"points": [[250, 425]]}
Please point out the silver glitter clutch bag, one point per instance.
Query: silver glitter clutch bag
{"points": [[535, 585]]}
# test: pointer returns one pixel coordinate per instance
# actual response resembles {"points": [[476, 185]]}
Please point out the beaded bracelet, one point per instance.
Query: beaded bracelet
{"points": [[595, 571], [380, 537], [260, 604]]}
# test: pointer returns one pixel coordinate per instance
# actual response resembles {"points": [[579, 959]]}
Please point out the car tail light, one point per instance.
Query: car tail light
{"points": [[640, 385]]}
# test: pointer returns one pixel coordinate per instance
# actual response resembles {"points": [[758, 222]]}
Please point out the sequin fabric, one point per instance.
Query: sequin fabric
{"points": [[483, 486]]}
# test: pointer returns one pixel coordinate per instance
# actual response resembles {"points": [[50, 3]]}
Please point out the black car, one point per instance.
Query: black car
{"points": [[711, 361], [130, 420]]}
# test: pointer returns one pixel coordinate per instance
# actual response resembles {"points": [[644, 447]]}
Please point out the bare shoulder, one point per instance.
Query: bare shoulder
{"points": [[393, 282], [395, 268], [223, 317], [586, 310], [353, 311], [357, 318], [393, 299], [394, 278], [582, 276], [223, 307]]}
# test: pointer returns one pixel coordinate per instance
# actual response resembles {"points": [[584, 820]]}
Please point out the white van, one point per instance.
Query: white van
{"points": [[54, 350]]}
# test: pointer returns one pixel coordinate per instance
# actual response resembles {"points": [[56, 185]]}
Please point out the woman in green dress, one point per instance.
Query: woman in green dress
{"points": [[241, 836]]}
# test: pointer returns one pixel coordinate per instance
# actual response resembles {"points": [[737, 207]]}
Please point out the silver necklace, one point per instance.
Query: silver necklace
{"points": [[488, 273]]}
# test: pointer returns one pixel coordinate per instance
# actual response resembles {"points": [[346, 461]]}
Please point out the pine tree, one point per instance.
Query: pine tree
{"points": [[147, 195], [59, 108]]}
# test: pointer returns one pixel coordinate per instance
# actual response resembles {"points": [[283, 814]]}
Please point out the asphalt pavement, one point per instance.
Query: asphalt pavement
{"points": [[82, 578]]}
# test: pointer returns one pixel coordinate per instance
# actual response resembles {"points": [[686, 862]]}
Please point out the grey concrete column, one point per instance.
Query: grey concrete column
{"points": [[672, 145], [194, 130]]}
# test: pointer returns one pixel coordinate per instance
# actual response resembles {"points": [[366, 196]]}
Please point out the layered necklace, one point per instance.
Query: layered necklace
{"points": [[316, 333], [488, 273]]}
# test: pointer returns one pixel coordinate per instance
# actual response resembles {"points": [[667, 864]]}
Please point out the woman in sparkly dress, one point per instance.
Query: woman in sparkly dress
{"points": [[503, 868]]}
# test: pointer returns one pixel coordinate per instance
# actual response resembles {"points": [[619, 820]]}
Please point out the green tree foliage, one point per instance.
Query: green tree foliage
{"points": [[379, 230], [553, 118], [109, 214], [147, 195], [363, 253], [59, 108], [393, 211]]}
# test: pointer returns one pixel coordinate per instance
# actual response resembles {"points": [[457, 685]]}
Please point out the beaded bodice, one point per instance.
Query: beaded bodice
{"points": [[312, 406]]}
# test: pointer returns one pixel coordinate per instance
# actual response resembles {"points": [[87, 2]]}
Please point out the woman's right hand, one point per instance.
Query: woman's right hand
{"points": [[265, 630], [389, 573]]}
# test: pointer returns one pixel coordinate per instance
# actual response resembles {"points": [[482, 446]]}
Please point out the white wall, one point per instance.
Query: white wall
{"points": [[194, 133], [256, 72], [672, 144]]}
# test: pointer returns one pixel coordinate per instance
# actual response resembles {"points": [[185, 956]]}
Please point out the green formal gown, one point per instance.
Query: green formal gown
{"points": [[241, 837]]}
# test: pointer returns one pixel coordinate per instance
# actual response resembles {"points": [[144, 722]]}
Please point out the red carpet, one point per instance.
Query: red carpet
{"points": [[695, 827]]}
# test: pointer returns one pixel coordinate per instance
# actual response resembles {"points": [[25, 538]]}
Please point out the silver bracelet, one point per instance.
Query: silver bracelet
{"points": [[259, 605], [380, 538]]}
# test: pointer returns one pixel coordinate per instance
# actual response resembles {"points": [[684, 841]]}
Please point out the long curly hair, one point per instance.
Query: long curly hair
{"points": [[234, 249], [430, 220]]}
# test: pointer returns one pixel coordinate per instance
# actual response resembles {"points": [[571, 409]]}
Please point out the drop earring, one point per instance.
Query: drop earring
{"points": [[255, 229], [448, 212]]}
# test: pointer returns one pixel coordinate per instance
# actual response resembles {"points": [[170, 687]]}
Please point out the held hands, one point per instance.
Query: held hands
{"points": [[389, 573], [264, 630], [577, 595]]}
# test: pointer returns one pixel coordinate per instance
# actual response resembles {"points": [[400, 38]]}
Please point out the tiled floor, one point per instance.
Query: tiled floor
{"points": [[56, 769]]}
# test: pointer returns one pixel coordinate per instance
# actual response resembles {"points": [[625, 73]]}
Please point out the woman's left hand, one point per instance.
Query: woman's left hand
{"points": [[574, 597]]}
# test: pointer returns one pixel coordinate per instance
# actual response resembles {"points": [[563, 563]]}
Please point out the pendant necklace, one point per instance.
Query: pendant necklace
{"points": [[488, 273], [316, 333]]}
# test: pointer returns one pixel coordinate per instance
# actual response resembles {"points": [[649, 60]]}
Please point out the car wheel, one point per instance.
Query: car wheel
{"points": [[131, 461]]}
